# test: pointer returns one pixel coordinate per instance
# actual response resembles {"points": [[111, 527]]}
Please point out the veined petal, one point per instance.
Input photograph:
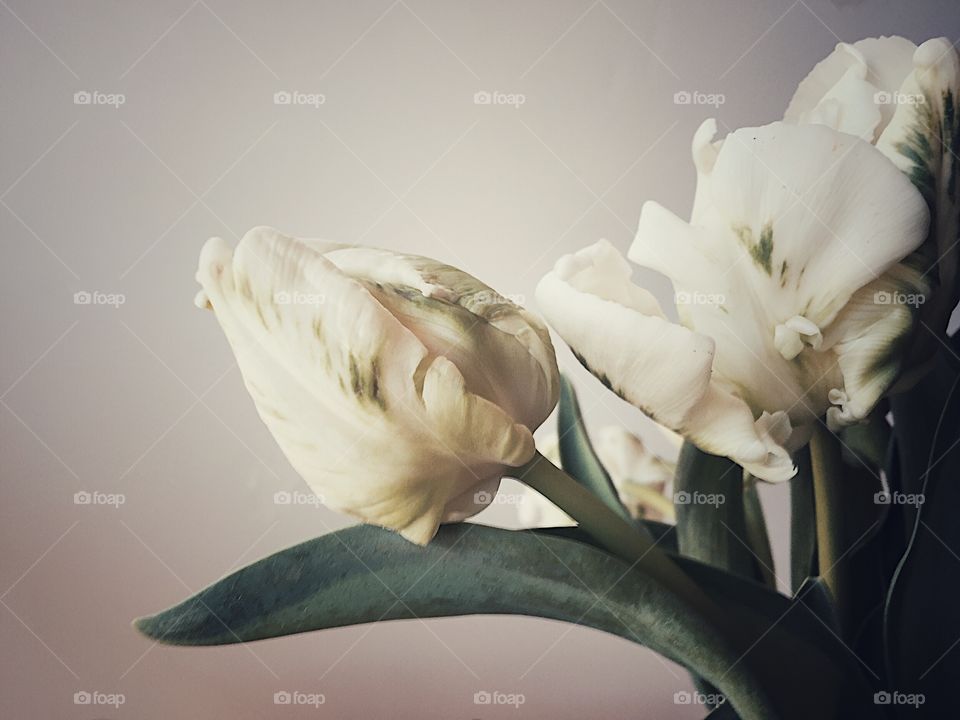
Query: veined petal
{"points": [[816, 214], [618, 332], [868, 339], [923, 139], [503, 351]]}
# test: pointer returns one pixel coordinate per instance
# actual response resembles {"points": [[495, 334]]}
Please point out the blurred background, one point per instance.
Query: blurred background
{"points": [[493, 135]]}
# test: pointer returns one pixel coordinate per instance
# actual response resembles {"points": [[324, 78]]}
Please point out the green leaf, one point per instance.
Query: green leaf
{"points": [[577, 456], [792, 668], [921, 621], [757, 535], [816, 596], [803, 523], [711, 525]]}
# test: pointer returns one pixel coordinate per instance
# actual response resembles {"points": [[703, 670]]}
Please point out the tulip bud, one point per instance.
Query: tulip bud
{"points": [[401, 389]]}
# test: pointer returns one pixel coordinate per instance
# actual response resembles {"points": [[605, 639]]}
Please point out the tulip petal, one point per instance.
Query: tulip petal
{"points": [[868, 338], [922, 140], [723, 424], [850, 89], [503, 351], [816, 215], [659, 366]]}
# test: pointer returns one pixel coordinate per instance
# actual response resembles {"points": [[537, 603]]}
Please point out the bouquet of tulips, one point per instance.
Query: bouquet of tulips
{"points": [[814, 281]]}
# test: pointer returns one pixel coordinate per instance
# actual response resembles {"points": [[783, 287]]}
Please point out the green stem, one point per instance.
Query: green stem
{"points": [[613, 532], [825, 460], [623, 539]]}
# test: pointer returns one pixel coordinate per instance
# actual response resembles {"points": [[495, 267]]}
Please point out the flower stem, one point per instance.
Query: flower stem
{"points": [[613, 532], [827, 476]]}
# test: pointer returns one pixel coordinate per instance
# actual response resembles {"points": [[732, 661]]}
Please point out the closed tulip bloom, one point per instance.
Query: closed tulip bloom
{"points": [[398, 387], [796, 230]]}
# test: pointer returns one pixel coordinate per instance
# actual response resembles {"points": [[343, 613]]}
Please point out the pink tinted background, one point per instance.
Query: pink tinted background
{"points": [[144, 399]]}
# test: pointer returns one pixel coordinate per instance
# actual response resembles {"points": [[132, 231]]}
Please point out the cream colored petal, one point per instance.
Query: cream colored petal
{"points": [[868, 339], [922, 140], [722, 424], [620, 335], [849, 89], [815, 213], [503, 351]]}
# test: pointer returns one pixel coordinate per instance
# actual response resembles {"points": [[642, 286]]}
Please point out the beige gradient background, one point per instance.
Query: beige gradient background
{"points": [[145, 400]]}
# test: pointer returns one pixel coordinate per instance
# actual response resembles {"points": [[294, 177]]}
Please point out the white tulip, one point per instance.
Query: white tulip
{"points": [[777, 278], [643, 479], [906, 101], [401, 389]]}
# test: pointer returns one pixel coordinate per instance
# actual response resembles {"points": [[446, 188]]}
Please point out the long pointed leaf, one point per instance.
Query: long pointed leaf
{"points": [[365, 574]]}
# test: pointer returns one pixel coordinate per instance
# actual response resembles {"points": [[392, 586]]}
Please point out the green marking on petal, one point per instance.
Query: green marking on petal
{"points": [[760, 251], [365, 381], [601, 376]]}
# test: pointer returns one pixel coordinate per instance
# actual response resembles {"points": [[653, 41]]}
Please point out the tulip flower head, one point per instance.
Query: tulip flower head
{"points": [[795, 230], [400, 389]]}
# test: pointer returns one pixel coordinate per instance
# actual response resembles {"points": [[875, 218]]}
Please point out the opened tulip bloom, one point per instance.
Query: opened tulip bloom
{"points": [[903, 99], [398, 387], [796, 232]]}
